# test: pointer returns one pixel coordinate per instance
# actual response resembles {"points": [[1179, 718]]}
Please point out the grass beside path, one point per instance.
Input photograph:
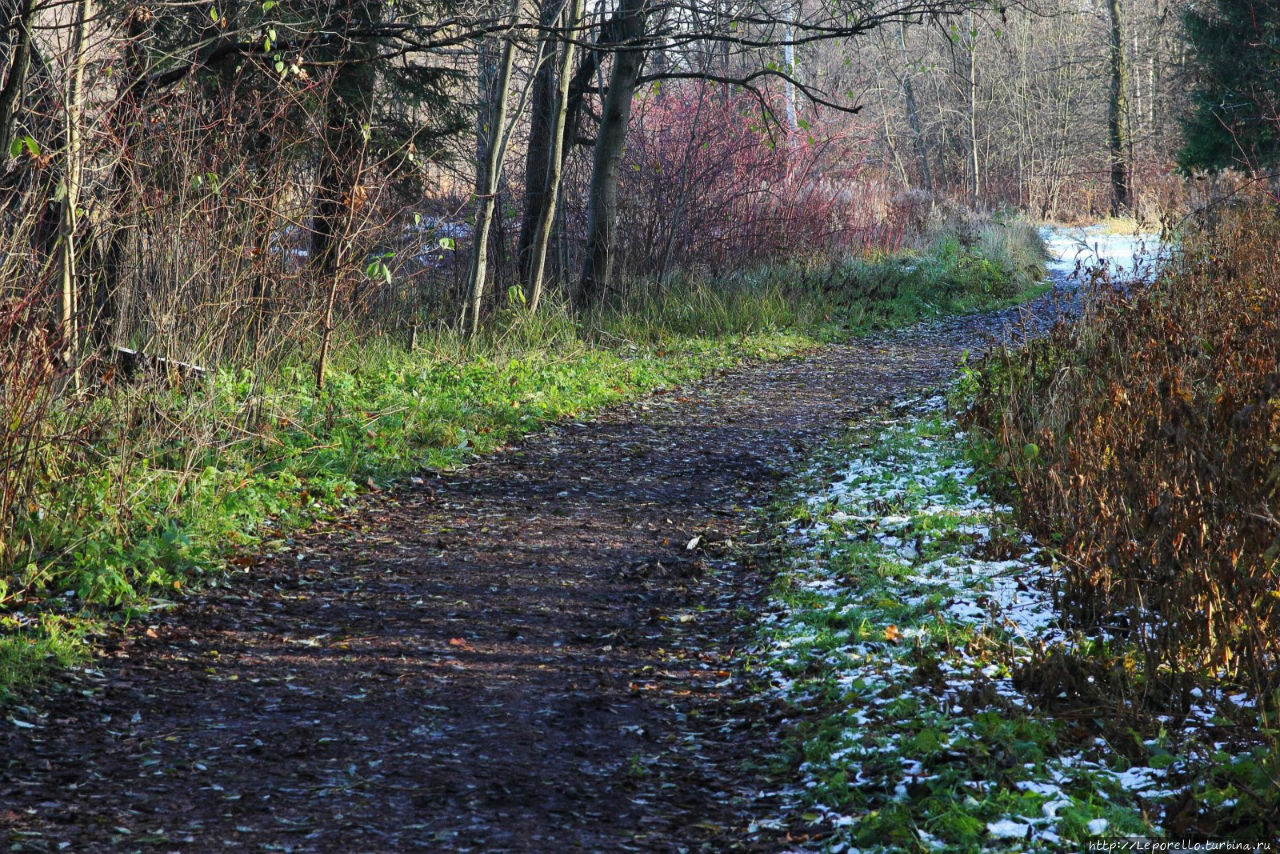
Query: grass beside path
{"points": [[162, 489], [907, 638]]}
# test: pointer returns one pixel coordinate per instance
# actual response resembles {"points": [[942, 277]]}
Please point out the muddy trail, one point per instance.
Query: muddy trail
{"points": [[536, 653]]}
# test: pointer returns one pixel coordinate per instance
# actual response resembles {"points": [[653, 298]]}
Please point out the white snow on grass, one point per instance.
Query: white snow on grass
{"points": [[1006, 829], [904, 576]]}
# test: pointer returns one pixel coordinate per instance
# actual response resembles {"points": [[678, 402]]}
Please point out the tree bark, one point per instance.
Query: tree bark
{"points": [[1117, 115], [348, 114], [975, 175], [544, 104], [555, 163], [913, 113], [489, 174], [338, 191], [71, 196], [112, 301], [789, 65], [606, 167], [15, 83]]}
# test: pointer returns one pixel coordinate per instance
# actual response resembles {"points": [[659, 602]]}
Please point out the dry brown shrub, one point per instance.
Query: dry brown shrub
{"points": [[1147, 438]]}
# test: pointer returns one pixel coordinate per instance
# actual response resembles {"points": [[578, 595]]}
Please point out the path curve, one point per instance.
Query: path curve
{"points": [[534, 654]]}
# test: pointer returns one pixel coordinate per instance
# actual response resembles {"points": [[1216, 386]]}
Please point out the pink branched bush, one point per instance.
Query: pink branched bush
{"points": [[711, 182]]}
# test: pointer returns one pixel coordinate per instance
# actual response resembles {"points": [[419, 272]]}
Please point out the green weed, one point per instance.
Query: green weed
{"points": [[163, 484]]}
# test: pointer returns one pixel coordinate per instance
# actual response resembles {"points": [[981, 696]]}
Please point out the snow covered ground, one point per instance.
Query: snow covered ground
{"points": [[911, 601], [1074, 250]]}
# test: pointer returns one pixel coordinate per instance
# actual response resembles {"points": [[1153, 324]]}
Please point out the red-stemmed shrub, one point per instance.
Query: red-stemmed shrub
{"points": [[711, 181]]}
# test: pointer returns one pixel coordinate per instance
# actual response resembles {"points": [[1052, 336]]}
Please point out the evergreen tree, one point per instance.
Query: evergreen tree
{"points": [[1236, 115]]}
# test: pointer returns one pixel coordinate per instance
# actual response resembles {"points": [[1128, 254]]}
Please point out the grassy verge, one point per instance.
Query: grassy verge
{"points": [[907, 638], [954, 273], [159, 488], [1144, 443]]}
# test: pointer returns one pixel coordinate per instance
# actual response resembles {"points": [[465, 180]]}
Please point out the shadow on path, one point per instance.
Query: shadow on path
{"points": [[525, 655]]}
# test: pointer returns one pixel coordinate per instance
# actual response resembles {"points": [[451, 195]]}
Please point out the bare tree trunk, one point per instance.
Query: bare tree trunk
{"points": [[606, 167], [537, 159], [489, 175], [336, 271], [339, 191], [555, 162], [11, 94], [71, 196], [114, 297], [789, 65], [913, 113], [974, 173], [1117, 115], [882, 93], [349, 109]]}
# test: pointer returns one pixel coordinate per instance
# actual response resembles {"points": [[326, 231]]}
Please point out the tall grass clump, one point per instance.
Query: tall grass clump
{"points": [[953, 269], [1146, 440]]}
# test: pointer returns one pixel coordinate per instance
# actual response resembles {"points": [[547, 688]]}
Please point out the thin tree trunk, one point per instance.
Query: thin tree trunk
{"points": [[11, 94], [606, 167], [348, 113], [112, 302], [555, 162], [335, 277], [913, 113], [789, 65], [542, 117], [578, 92], [974, 173], [71, 196], [888, 136], [683, 182], [1117, 115], [339, 192], [489, 175]]}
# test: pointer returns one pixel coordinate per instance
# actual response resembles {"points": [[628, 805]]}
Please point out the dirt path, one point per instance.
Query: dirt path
{"points": [[526, 655]]}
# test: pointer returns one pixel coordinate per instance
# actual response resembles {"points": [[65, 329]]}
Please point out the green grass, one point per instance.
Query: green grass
{"points": [[165, 486], [911, 726], [902, 741]]}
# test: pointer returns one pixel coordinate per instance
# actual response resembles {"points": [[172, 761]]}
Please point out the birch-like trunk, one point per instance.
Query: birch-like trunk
{"points": [[489, 175], [975, 175], [542, 235], [789, 64], [71, 195]]}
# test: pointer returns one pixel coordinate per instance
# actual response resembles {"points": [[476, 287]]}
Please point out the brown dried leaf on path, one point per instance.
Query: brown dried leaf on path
{"points": [[536, 653]]}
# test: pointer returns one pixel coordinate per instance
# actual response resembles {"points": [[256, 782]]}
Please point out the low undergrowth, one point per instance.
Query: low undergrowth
{"points": [[1144, 444], [160, 485], [958, 271], [1146, 441], [903, 640]]}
